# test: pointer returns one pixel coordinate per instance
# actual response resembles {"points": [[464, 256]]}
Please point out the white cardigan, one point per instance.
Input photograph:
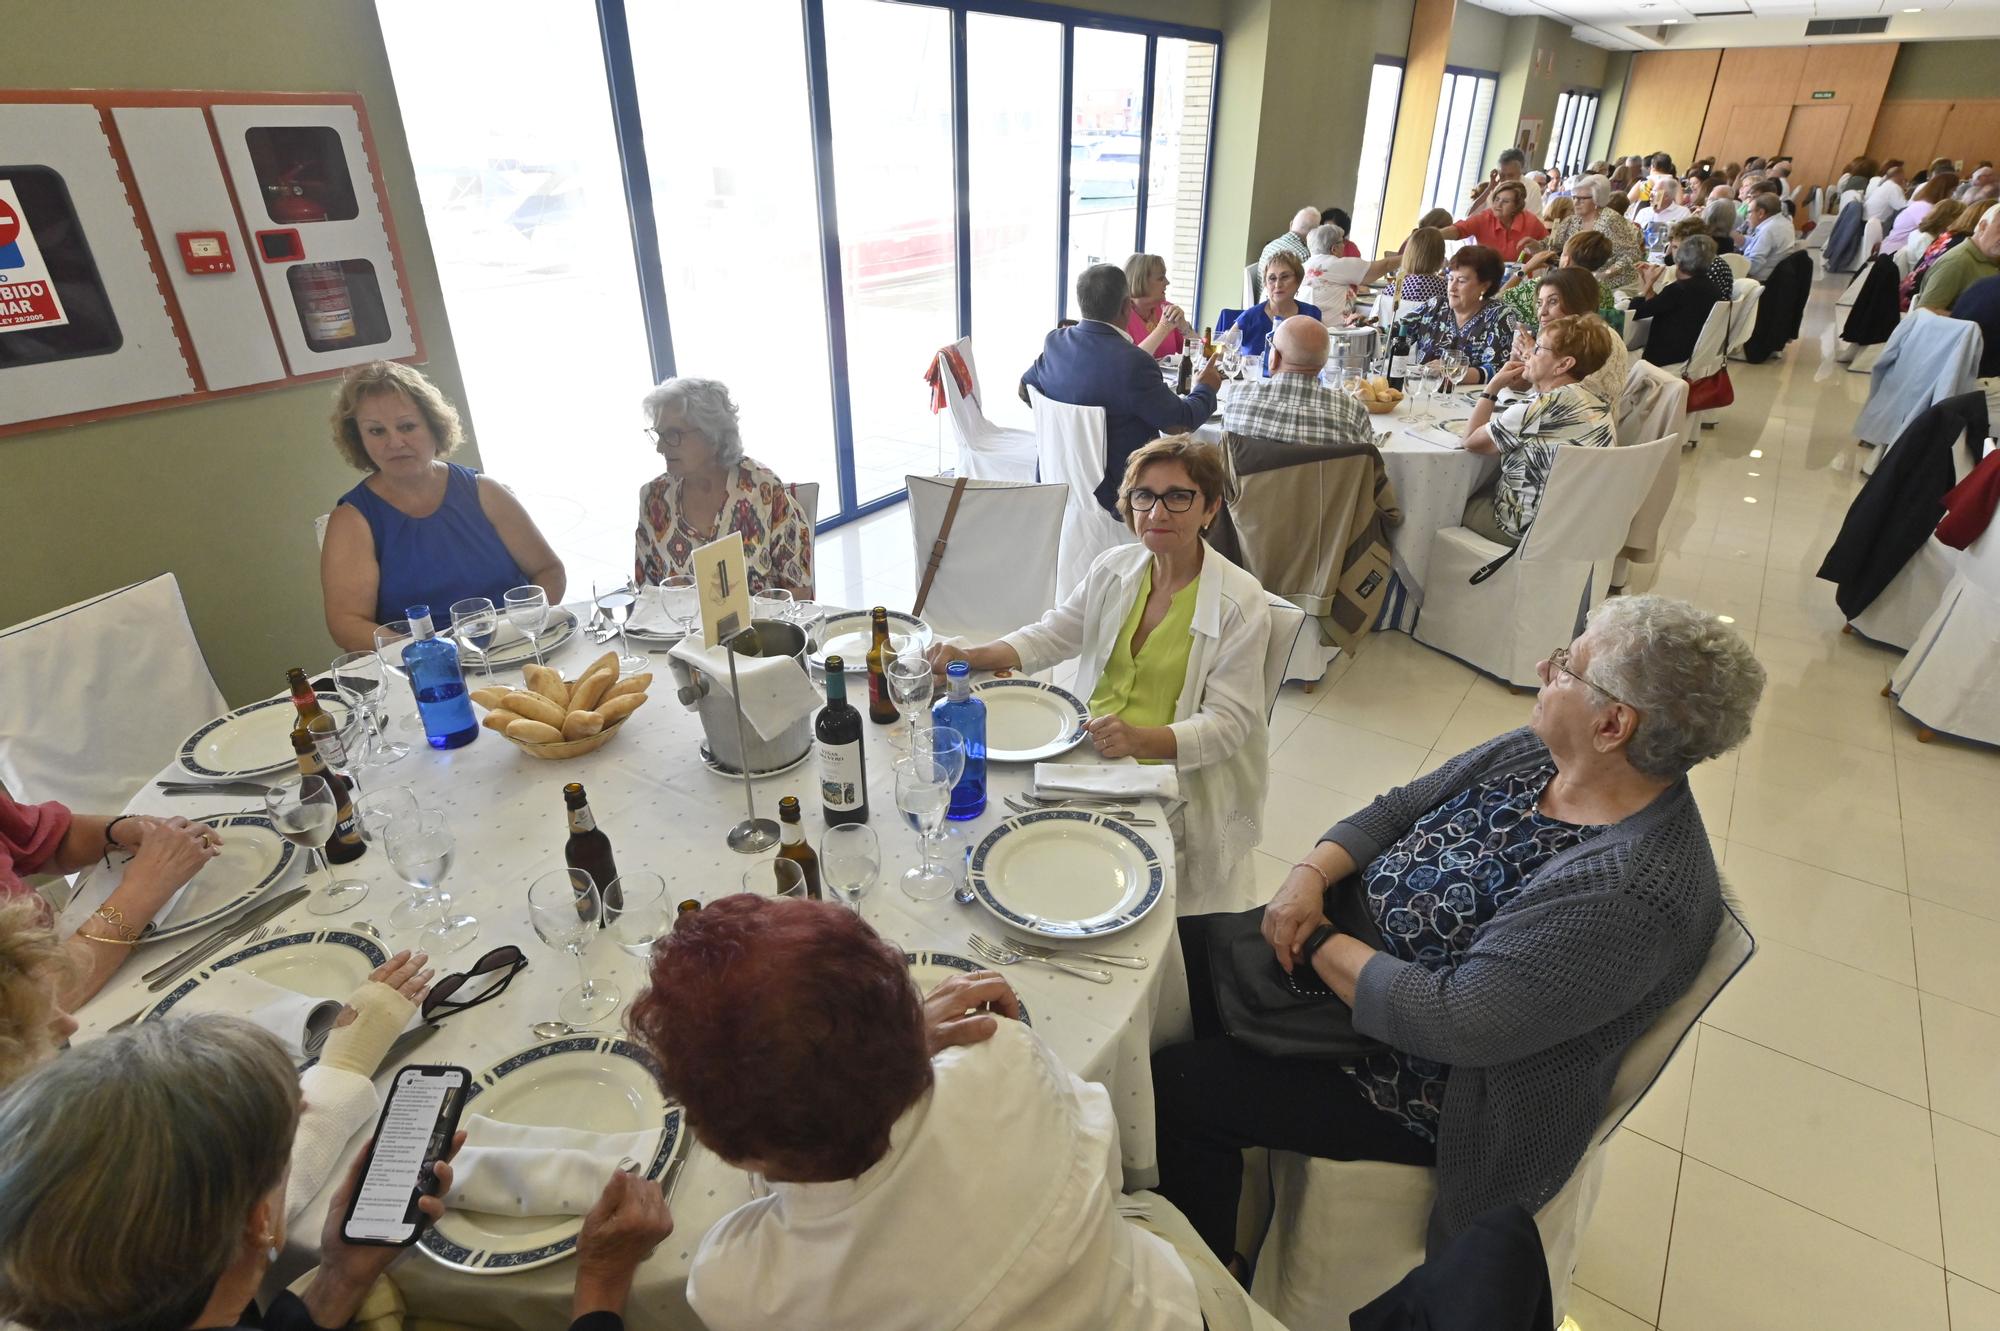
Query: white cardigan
{"points": [[1221, 732]]}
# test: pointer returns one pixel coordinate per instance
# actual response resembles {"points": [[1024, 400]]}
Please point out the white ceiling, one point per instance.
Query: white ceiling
{"points": [[1651, 24]]}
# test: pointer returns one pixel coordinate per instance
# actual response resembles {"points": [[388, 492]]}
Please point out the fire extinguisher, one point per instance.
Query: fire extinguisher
{"points": [[325, 306]]}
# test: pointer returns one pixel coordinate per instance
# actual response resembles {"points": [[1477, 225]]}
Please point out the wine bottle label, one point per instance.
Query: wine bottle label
{"points": [[580, 821], [840, 776], [1399, 366]]}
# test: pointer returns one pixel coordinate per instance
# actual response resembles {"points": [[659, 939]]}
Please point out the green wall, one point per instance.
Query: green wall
{"points": [[1941, 71], [222, 494]]}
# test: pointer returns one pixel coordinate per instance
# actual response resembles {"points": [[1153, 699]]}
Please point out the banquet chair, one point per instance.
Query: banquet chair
{"points": [[1288, 635], [807, 493], [1747, 294], [1708, 357], [998, 569], [1843, 251], [1947, 684], [1927, 359], [1654, 406], [1070, 447], [319, 530], [1538, 598], [1897, 615], [1341, 1232], [1739, 267], [1253, 286], [99, 696], [986, 452]]}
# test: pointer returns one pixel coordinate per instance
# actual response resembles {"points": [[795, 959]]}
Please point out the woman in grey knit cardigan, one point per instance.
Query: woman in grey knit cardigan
{"points": [[1540, 899]]}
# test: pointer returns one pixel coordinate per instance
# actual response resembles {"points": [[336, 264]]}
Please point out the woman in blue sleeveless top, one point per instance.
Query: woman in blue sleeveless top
{"points": [[417, 530]]}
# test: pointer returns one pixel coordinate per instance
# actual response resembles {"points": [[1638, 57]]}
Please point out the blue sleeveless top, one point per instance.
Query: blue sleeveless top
{"points": [[453, 554]]}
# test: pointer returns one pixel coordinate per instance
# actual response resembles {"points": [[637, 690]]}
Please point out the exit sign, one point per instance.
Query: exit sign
{"points": [[1826, 96]]}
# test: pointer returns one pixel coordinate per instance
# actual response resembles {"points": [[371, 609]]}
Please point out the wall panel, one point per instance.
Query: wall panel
{"points": [[1971, 133], [1908, 130], [1661, 109]]}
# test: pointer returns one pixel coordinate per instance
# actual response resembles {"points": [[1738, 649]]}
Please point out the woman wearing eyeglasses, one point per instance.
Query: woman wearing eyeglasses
{"points": [[1169, 639], [1538, 902], [710, 489]]}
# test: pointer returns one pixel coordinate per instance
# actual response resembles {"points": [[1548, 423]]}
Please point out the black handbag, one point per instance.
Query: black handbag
{"points": [[1287, 1016]]}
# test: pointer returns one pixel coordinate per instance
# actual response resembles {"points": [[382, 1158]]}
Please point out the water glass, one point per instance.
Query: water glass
{"points": [[772, 603], [475, 623], [565, 906], [527, 609], [643, 913], [681, 600], [421, 848], [361, 674], [810, 616], [391, 639], [304, 811], [923, 794], [911, 684], [777, 877], [850, 859], [616, 605]]}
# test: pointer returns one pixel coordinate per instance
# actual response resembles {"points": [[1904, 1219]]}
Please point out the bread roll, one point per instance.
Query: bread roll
{"points": [[498, 719], [608, 661], [581, 725], [532, 732], [533, 706], [621, 707], [638, 683], [590, 690], [489, 697], [548, 683]]}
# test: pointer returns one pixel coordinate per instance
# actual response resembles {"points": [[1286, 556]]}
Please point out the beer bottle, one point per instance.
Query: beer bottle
{"points": [[303, 697], [1184, 379], [794, 845], [345, 845], [881, 707], [843, 768], [590, 850]]}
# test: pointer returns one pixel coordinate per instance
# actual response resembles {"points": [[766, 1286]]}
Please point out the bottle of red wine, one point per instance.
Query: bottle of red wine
{"points": [[843, 768], [590, 850], [1399, 356]]}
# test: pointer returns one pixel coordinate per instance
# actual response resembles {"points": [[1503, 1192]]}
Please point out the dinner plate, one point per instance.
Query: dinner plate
{"points": [[1066, 873], [252, 859], [319, 963], [251, 741], [1028, 721], [848, 635], [930, 969], [559, 629], [593, 1083]]}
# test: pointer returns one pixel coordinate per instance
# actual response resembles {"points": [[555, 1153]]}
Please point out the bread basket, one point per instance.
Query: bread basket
{"points": [[556, 750]]}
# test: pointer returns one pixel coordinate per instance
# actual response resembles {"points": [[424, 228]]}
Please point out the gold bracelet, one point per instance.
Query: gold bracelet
{"points": [[100, 938], [114, 917]]}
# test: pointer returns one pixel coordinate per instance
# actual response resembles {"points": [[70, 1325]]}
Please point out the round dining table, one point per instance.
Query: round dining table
{"points": [[666, 811]]}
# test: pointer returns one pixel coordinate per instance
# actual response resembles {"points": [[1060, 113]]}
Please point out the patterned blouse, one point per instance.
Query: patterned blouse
{"points": [[1430, 893], [1527, 435], [777, 537], [1486, 339], [1627, 249]]}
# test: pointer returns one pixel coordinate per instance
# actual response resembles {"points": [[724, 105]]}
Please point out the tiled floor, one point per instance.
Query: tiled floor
{"points": [[1826, 1152]]}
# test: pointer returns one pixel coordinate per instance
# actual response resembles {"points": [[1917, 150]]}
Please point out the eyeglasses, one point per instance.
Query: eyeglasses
{"points": [[670, 438], [1559, 660], [492, 974], [1177, 501]]}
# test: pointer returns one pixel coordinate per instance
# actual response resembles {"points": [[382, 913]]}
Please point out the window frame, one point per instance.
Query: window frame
{"points": [[1402, 68], [1483, 82], [1574, 123]]}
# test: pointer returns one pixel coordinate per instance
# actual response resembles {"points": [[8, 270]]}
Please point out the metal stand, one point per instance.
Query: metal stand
{"points": [[753, 835]]}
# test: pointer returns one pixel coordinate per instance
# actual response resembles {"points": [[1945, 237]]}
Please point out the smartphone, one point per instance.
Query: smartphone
{"points": [[416, 1127]]}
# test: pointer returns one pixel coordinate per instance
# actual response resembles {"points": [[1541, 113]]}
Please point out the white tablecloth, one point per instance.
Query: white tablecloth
{"points": [[665, 811]]}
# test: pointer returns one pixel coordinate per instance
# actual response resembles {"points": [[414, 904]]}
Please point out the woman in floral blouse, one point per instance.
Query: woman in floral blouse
{"points": [[710, 488], [1468, 320]]}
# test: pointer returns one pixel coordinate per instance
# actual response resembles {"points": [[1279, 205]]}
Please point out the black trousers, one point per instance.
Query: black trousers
{"points": [[1213, 1097]]}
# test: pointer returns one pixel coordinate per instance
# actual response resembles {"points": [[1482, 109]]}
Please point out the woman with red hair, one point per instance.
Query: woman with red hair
{"points": [[930, 1163]]}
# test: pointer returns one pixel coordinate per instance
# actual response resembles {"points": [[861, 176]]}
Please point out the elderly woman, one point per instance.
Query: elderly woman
{"points": [[1526, 434], [417, 530], [1503, 224], [1717, 274], [1929, 194], [1540, 900], [1332, 277], [1952, 232], [1586, 251], [1591, 193], [1573, 291], [1679, 312], [1719, 216], [1470, 320], [867, 1108], [710, 488], [1283, 272], [1158, 327], [1169, 639]]}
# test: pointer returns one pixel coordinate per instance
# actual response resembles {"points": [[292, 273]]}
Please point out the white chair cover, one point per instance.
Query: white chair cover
{"points": [[807, 493], [1654, 407], [1947, 683], [999, 569], [1711, 345], [1343, 1231], [1070, 446], [1748, 293], [1739, 267], [99, 695], [1896, 617], [1253, 285], [1872, 232], [1287, 647], [319, 529], [986, 452], [1537, 599]]}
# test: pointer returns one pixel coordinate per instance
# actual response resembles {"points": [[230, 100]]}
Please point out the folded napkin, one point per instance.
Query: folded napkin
{"points": [[523, 1169], [776, 692], [1442, 436], [650, 615], [1108, 780], [288, 1015]]}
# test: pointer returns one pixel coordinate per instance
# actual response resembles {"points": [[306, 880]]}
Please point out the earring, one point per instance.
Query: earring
{"points": [[270, 1242]]}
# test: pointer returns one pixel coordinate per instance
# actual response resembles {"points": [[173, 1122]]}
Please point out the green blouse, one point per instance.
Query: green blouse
{"points": [[1145, 687]]}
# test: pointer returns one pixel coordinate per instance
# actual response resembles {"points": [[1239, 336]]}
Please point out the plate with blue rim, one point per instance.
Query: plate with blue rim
{"points": [[1028, 721], [930, 969], [1066, 873], [251, 741], [253, 860], [319, 963], [595, 1083], [849, 633]]}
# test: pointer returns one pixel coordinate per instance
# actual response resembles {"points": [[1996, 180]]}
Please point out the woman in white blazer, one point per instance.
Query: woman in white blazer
{"points": [[1170, 640]]}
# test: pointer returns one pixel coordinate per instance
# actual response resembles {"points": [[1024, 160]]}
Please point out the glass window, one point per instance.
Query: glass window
{"points": [[738, 218], [1176, 176], [1378, 134], [1458, 143], [1569, 141], [1107, 89], [1014, 109]]}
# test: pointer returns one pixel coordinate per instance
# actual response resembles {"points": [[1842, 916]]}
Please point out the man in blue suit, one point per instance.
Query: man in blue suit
{"points": [[1095, 364]]}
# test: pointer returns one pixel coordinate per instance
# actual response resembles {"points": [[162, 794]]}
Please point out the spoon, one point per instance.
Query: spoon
{"points": [[556, 1030]]}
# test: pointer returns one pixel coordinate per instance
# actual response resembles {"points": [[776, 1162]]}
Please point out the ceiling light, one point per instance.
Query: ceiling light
{"points": [[1749, 499], [1726, 619], [1913, 11], [1670, 20], [1756, 452]]}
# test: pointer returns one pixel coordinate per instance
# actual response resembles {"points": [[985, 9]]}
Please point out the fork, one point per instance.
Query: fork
{"points": [[1125, 816], [1002, 956], [257, 935], [1037, 952]]}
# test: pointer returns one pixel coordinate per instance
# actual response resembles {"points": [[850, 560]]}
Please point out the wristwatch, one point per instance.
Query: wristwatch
{"points": [[1491, 397], [1314, 940]]}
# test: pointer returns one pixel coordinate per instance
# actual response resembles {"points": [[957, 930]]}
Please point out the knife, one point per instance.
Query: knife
{"points": [[213, 787], [408, 1042], [164, 975]]}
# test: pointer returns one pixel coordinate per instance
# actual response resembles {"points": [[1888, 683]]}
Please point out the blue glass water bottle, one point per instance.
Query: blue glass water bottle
{"points": [[432, 665], [967, 715]]}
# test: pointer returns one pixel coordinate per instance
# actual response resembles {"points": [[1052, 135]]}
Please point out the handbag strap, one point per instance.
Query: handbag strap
{"points": [[1491, 567], [937, 546]]}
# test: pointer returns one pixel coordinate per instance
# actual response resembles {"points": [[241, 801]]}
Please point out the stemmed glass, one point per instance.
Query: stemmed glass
{"points": [[924, 777], [772, 603], [390, 641], [360, 674], [910, 687], [1421, 381], [565, 907], [681, 600], [421, 847], [643, 915], [617, 607], [527, 609], [1454, 363], [850, 859], [475, 624], [303, 810], [809, 616], [330, 742], [778, 876]]}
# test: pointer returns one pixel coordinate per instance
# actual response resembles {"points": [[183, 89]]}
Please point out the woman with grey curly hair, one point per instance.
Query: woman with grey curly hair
{"points": [[1534, 905], [711, 488], [1591, 194]]}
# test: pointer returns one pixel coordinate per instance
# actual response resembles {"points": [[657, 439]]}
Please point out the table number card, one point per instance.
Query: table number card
{"points": [[721, 576]]}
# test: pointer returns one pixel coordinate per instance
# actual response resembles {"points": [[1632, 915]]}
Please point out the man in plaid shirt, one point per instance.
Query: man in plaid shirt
{"points": [[1293, 406]]}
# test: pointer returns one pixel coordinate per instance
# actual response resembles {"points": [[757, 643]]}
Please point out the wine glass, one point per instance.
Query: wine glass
{"points": [[643, 914], [944, 746], [475, 623], [304, 811], [527, 609], [777, 876], [391, 639], [1455, 363], [850, 859], [910, 687], [922, 796], [1420, 380], [361, 674], [330, 742], [421, 847], [772, 603], [564, 905], [809, 616], [617, 607], [681, 600]]}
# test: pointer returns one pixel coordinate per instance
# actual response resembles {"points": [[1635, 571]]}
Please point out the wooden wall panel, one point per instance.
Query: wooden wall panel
{"points": [[1971, 133], [1857, 76], [1748, 76], [1908, 130], [1748, 131], [1662, 107], [1813, 139]]}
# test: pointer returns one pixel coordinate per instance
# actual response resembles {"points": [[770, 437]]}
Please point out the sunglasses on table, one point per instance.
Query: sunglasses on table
{"points": [[485, 980]]}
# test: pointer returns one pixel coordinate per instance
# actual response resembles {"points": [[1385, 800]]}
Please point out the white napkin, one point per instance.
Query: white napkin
{"points": [[1438, 435], [650, 615], [775, 691], [288, 1015], [519, 1169], [1109, 780]]}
